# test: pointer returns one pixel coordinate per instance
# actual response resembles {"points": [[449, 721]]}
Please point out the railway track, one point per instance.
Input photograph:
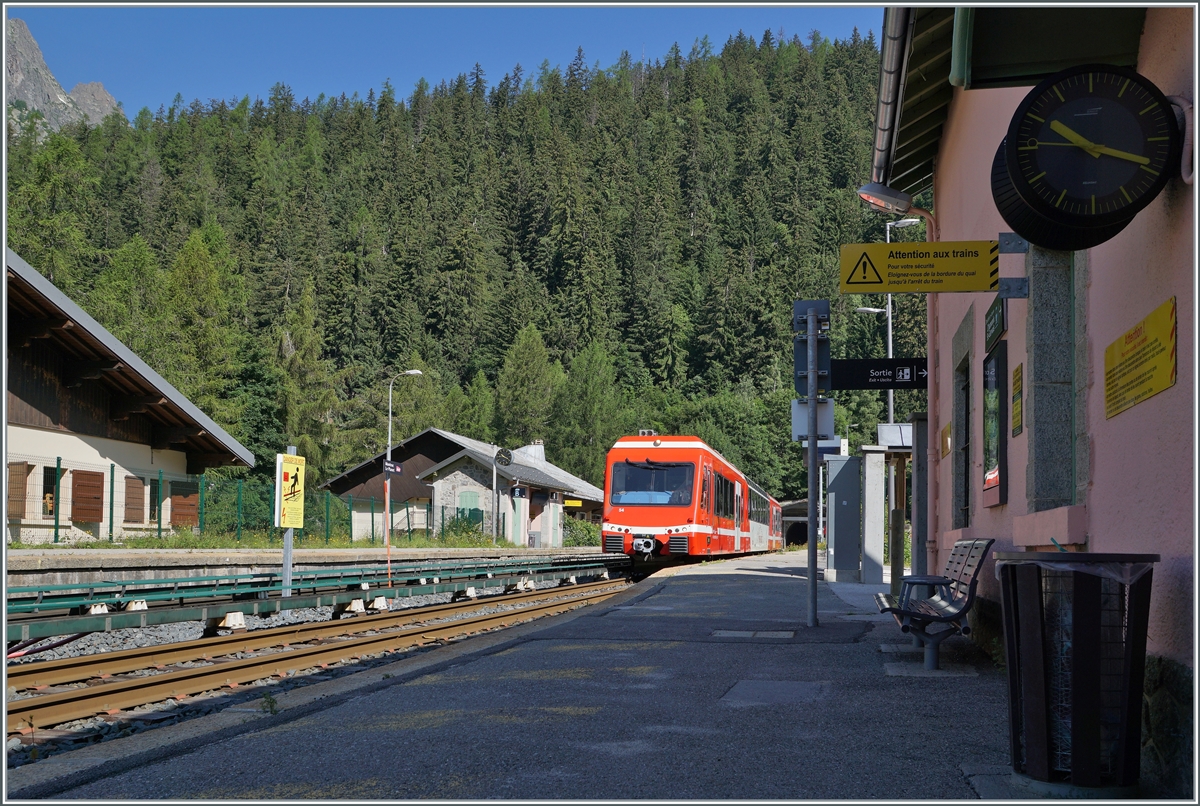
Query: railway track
{"points": [[300, 647]]}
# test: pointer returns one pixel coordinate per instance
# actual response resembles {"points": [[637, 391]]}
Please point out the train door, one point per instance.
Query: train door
{"points": [[704, 517], [737, 516]]}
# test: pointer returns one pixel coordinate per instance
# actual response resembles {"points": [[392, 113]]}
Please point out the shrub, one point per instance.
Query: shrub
{"points": [[580, 533]]}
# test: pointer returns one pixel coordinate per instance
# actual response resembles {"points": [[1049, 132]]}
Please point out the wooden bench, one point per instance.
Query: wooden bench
{"points": [[953, 595]]}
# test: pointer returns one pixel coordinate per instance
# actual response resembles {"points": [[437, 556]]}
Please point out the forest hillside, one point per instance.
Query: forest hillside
{"points": [[567, 255]]}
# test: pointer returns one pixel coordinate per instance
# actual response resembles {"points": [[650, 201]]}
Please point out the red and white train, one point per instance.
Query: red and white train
{"points": [[668, 497]]}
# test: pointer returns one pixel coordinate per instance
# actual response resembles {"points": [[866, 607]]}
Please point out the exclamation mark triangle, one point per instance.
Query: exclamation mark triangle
{"points": [[864, 272]]}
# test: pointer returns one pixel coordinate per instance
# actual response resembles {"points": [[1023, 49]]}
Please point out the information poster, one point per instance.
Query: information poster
{"points": [[1142, 362]]}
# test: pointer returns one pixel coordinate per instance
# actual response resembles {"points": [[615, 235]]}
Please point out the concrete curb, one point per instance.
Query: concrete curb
{"points": [[65, 771]]}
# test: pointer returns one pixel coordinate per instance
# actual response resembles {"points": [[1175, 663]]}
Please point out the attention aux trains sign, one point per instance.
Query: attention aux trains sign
{"points": [[867, 268]]}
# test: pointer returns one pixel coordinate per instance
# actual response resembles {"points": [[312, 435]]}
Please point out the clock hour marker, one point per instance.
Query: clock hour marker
{"points": [[1089, 90], [1059, 94], [1126, 195], [1061, 196], [1123, 88], [1093, 197], [1035, 117], [1156, 139], [1144, 168], [1039, 176], [1147, 109]]}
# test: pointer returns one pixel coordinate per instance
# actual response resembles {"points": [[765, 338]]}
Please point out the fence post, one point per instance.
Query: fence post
{"points": [[350, 514], [327, 517], [372, 520], [408, 521], [57, 493], [239, 511], [160, 500], [203, 484], [442, 525], [112, 489]]}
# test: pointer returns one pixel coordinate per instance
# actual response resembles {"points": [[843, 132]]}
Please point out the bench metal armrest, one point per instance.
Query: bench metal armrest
{"points": [[908, 583]]}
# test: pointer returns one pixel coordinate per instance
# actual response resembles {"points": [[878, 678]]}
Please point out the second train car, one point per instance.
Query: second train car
{"points": [[674, 497]]}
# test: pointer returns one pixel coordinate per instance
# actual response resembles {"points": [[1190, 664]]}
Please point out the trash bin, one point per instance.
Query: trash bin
{"points": [[1075, 639]]}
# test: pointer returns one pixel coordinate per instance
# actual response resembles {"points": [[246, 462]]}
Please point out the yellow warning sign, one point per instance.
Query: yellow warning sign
{"points": [[1142, 362], [289, 491], [920, 267]]}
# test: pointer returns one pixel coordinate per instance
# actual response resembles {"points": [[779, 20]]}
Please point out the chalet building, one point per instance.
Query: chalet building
{"points": [[1041, 434], [97, 444], [444, 476]]}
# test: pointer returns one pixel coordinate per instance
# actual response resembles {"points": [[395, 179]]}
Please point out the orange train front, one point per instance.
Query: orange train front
{"points": [[674, 496]]}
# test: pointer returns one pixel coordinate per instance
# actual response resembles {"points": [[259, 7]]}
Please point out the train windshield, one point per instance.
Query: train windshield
{"points": [[655, 483]]}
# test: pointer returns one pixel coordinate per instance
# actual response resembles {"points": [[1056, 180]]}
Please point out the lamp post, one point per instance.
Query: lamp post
{"points": [[904, 222], [387, 476]]}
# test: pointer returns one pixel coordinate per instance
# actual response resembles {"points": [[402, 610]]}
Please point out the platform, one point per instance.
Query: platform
{"points": [[702, 683]]}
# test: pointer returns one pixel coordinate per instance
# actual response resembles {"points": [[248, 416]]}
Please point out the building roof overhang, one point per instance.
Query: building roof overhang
{"points": [[927, 51], [39, 310]]}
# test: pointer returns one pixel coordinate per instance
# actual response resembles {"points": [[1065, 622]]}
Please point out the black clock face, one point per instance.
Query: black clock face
{"points": [[1091, 146]]}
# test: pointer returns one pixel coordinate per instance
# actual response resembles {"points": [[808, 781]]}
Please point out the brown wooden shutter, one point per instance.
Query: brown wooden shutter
{"points": [[185, 501], [87, 496], [135, 500], [18, 488]]}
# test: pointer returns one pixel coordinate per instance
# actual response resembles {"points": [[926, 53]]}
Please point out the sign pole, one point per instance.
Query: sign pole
{"points": [[287, 543], [812, 466]]}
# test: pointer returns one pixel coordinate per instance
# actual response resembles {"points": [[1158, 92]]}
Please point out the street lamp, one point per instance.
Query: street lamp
{"points": [[904, 222], [387, 475]]}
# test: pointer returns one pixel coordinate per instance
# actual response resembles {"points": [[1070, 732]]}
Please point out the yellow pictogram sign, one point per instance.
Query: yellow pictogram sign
{"points": [[289, 491], [920, 267], [1142, 362]]}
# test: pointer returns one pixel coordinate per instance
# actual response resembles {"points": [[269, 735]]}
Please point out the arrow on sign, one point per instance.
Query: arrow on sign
{"points": [[923, 373]]}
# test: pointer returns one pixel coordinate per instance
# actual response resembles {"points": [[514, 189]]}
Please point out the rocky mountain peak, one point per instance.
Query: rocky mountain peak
{"points": [[30, 85]]}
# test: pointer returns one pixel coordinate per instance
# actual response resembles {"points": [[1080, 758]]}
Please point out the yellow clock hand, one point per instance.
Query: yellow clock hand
{"points": [[1076, 138], [1125, 155]]}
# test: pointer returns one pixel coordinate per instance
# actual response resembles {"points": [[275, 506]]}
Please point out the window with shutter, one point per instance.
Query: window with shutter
{"points": [[135, 500], [185, 503], [18, 488], [87, 496]]}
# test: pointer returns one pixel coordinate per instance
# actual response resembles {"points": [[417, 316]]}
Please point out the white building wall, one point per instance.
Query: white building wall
{"points": [[40, 448]]}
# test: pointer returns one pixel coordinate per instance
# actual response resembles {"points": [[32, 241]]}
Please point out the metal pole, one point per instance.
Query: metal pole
{"points": [[327, 517], [239, 511], [350, 514], [812, 465], [287, 546], [203, 479], [58, 493], [495, 501], [387, 489], [372, 520], [112, 489], [160, 500]]}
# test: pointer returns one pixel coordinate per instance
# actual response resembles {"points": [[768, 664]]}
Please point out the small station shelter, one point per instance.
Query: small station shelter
{"points": [[97, 444], [445, 476]]}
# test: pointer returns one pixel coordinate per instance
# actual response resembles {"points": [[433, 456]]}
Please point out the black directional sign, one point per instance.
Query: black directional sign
{"points": [[878, 373]]}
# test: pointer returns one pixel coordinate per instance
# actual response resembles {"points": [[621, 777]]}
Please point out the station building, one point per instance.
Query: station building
{"points": [[97, 444], [445, 476], [1074, 466]]}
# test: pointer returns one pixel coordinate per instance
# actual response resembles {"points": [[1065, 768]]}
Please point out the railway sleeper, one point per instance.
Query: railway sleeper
{"points": [[467, 593]]}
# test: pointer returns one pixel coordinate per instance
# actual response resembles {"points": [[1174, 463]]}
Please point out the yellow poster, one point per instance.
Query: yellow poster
{"points": [[289, 491], [908, 267], [946, 441], [1018, 417], [1142, 362]]}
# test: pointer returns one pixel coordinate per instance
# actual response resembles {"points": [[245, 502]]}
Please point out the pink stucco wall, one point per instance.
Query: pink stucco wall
{"points": [[1140, 496]]}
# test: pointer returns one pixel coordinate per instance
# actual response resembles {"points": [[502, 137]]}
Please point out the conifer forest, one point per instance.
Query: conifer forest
{"points": [[566, 254]]}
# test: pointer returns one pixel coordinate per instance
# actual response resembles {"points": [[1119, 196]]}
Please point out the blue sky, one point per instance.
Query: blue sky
{"points": [[145, 55]]}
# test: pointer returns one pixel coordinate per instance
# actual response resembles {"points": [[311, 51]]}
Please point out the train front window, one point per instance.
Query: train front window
{"points": [[654, 483]]}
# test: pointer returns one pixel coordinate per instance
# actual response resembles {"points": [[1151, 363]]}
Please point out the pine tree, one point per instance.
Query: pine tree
{"points": [[526, 389]]}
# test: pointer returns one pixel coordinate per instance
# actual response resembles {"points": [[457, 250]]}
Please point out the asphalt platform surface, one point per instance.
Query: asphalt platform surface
{"points": [[701, 683]]}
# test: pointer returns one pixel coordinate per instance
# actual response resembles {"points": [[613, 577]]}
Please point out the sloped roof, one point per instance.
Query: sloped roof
{"points": [[34, 302], [523, 468]]}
